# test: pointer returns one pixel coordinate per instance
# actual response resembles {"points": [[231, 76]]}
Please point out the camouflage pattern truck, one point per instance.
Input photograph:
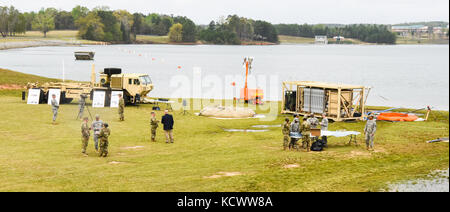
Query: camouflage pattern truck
{"points": [[134, 86]]}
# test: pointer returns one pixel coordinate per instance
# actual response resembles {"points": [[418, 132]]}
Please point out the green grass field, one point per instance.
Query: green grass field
{"points": [[410, 41], [152, 39], [39, 156], [62, 35], [17, 78], [284, 39]]}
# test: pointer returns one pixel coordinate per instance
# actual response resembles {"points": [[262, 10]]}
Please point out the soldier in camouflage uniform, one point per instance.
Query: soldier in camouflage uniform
{"points": [[305, 128], [85, 133], [154, 124], [313, 121], [286, 131], [55, 108], [121, 108], [81, 106], [104, 143], [369, 132]]}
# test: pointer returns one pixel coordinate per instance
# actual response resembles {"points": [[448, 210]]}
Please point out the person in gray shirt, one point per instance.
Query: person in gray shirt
{"points": [[55, 107], [295, 128], [97, 125]]}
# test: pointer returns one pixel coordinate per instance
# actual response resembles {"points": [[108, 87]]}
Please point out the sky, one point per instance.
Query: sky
{"points": [[274, 11]]}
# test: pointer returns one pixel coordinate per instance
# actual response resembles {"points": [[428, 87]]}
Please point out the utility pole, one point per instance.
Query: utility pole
{"points": [[248, 66]]}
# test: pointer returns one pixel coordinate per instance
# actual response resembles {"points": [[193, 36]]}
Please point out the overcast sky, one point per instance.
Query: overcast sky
{"points": [[275, 11]]}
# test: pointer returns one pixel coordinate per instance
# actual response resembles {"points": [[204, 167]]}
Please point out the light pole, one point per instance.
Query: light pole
{"points": [[248, 67]]}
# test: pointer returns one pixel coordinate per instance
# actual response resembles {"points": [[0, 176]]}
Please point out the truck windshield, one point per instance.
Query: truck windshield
{"points": [[145, 80]]}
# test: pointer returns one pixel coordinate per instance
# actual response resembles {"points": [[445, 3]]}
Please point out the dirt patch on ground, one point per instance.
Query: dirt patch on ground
{"points": [[356, 153], [11, 87], [115, 162], [379, 150], [291, 166], [133, 147], [224, 174]]}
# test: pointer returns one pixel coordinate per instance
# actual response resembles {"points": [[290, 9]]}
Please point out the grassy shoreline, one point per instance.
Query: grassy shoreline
{"points": [[69, 38], [37, 156]]}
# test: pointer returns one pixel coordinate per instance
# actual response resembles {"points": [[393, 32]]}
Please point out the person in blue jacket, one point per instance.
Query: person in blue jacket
{"points": [[167, 121]]}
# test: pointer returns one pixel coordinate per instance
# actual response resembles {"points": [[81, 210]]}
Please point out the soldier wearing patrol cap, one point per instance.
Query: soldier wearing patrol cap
{"points": [[85, 134], [154, 125], [286, 132], [305, 129], [104, 142], [55, 108], [369, 131], [121, 108]]}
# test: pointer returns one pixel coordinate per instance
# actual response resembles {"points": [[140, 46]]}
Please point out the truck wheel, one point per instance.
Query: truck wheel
{"points": [[137, 99], [67, 100], [43, 98]]}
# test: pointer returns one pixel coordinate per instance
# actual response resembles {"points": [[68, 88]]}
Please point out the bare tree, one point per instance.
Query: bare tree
{"points": [[4, 14]]}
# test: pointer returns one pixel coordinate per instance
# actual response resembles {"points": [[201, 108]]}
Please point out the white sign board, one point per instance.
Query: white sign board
{"points": [[99, 99], [115, 98], [33, 96], [57, 93]]}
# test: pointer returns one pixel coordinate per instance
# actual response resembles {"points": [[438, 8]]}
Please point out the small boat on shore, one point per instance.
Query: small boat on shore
{"points": [[84, 55]]}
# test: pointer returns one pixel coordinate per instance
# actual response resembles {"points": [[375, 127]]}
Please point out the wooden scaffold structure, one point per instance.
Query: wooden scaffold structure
{"points": [[339, 102]]}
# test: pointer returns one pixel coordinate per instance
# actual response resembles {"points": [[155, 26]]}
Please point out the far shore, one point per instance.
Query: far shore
{"points": [[68, 38]]}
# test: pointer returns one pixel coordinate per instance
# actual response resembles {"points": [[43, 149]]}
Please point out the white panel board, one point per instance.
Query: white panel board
{"points": [[115, 98], [99, 99], [33, 96], [57, 92]]}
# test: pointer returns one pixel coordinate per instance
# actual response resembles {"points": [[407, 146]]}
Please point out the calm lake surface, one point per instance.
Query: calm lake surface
{"points": [[400, 76]]}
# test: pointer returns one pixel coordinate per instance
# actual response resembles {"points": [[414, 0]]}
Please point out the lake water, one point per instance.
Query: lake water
{"points": [[400, 76], [437, 181]]}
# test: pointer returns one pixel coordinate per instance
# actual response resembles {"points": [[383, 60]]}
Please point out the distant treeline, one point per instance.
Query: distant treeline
{"points": [[11, 21], [442, 24], [364, 32], [120, 26], [235, 29]]}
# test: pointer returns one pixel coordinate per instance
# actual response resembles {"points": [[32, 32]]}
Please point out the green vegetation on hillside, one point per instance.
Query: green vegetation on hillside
{"points": [[120, 26], [8, 77], [415, 41], [38, 156], [363, 32], [237, 29], [443, 24]]}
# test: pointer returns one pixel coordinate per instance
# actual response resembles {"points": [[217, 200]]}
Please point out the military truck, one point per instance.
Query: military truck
{"points": [[134, 87]]}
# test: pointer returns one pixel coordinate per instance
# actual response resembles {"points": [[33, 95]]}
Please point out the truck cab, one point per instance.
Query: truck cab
{"points": [[134, 86]]}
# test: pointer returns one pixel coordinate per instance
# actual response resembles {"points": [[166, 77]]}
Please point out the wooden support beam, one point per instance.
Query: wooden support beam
{"points": [[345, 106], [363, 102], [339, 105], [358, 103], [283, 97]]}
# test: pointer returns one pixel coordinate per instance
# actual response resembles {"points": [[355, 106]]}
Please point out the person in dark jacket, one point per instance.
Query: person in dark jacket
{"points": [[167, 121]]}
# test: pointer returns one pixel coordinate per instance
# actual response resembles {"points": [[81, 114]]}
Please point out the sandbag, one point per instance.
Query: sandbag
{"points": [[227, 112]]}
